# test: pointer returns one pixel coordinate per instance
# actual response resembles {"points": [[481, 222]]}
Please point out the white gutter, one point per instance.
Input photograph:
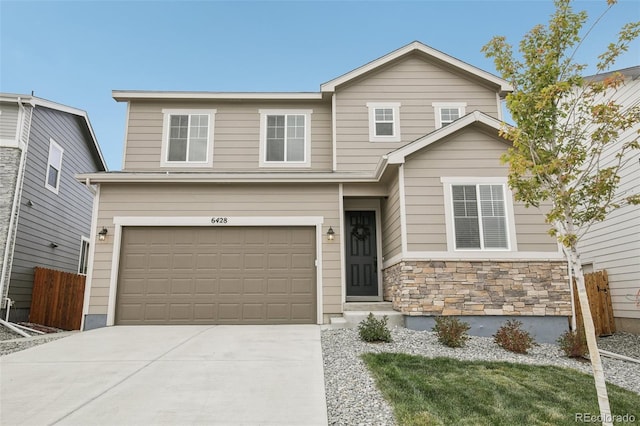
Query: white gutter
{"points": [[6, 270]]}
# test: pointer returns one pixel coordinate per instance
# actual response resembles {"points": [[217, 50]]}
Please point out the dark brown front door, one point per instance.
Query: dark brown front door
{"points": [[362, 261]]}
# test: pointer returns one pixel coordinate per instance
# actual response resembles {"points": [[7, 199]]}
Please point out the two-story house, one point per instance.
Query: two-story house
{"points": [[614, 244], [45, 213], [260, 208]]}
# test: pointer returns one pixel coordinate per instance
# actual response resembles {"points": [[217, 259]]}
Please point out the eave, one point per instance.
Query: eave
{"points": [[128, 95], [503, 86], [208, 177]]}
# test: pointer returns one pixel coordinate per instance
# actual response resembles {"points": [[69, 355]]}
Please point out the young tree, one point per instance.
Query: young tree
{"points": [[565, 125]]}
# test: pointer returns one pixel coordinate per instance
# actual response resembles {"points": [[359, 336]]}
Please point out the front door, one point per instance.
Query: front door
{"points": [[361, 259]]}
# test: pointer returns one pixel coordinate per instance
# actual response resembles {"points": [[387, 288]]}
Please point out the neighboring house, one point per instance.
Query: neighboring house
{"points": [[45, 213], [614, 244], [245, 208]]}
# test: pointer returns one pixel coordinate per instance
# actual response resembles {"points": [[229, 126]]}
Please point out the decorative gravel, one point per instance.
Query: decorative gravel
{"points": [[352, 396], [13, 342]]}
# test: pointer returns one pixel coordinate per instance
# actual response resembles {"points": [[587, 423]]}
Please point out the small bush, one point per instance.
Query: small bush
{"points": [[513, 338], [374, 330], [451, 331], [573, 344]]}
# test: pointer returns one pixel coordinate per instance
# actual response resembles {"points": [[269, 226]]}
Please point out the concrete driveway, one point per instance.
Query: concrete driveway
{"points": [[168, 375]]}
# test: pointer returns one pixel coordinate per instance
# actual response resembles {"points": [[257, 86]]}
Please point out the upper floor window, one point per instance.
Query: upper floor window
{"points": [[54, 166], [384, 121], [188, 138], [447, 113], [285, 138], [479, 214]]}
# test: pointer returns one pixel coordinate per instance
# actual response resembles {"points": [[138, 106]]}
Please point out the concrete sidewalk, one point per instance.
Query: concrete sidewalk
{"points": [[168, 375]]}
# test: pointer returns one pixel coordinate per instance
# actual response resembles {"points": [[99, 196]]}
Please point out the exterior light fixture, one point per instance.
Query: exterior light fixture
{"points": [[53, 245], [102, 235], [330, 234]]}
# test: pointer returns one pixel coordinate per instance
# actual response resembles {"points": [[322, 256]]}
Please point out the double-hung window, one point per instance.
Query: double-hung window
{"points": [[285, 139], [479, 215], [448, 112], [384, 121], [188, 138], [54, 167]]}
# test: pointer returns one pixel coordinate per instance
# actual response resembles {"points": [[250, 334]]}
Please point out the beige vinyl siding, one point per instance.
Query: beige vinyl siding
{"points": [[472, 153], [236, 143], [206, 200], [8, 120], [415, 84], [614, 244], [391, 230]]}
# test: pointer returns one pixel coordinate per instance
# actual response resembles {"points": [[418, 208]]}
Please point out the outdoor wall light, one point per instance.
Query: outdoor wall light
{"points": [[330, 234], [102, 235], [53, 245]]}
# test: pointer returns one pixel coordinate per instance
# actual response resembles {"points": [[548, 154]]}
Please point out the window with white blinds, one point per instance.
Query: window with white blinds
{"points": [[479, 217]]}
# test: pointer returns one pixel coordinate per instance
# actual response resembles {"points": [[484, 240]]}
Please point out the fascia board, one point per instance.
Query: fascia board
{"points": [[124, 177], [330, 86], [127, 95], [35, 101], [399, 156]]}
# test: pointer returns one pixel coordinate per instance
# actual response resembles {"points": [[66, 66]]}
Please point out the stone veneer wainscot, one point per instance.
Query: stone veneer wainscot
{"points": [[519, 288]]}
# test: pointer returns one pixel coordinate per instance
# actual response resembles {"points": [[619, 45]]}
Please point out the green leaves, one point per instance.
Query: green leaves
{"points": [[564, 151]]}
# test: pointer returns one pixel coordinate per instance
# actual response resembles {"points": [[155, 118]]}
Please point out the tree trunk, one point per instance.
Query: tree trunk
{"points": [[590, 334]]}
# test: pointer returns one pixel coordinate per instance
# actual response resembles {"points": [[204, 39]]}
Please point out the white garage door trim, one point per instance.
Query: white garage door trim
{"points": [[211, 221]]}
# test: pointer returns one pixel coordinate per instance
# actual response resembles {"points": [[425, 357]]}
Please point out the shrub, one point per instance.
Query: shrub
{"points": [[573, 344], [374, 330], [513, 338], [451, 331]]}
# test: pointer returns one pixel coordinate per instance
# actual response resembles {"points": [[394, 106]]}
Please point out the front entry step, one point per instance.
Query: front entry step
{"points": [[356, 312]]}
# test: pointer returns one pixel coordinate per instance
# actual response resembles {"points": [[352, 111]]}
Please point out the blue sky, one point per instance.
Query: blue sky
{"points": [[77, 52]]}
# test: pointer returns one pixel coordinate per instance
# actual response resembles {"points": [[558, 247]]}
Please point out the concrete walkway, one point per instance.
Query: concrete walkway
{"points": [[168, 375]]}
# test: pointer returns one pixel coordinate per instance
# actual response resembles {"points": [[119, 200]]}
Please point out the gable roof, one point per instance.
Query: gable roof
{"points": [[476, 117], [35, 101], [431, 53]]}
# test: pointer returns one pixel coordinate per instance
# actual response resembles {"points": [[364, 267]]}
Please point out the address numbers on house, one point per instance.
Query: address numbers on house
{"points": [[219, 220]]}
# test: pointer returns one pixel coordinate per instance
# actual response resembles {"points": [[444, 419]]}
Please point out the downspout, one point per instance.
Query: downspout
{"points": [[4, 286]]}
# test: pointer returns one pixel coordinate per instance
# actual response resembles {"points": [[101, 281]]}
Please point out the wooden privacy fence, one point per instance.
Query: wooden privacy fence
{"points": [[597, 284], [57, 299]]}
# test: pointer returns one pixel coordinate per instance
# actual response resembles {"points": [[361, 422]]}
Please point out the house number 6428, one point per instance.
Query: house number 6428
{"points": [[217, 220]]}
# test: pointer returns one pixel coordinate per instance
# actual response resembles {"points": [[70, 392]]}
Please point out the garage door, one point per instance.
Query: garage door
{"points": [[225, 275]]}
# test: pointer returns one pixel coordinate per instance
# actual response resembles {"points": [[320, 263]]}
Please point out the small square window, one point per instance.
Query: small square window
{"points": [[384, 122], [447, 113]]}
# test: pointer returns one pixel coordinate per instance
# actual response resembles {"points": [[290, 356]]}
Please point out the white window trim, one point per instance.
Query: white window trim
{"points": [[165, 137], [447, 182], [263, 137], [53, 145], [395, 106], [84, 240], [438, 106]]}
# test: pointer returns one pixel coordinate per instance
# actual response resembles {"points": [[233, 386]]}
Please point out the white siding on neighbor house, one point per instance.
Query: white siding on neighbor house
{"points": [[614, 244], [469, 152], [415, 84], [205, 200], [236, 136], [8, 121]]}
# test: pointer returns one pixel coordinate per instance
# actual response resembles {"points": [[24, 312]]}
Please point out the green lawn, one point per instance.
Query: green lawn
{"points": [[445, 391]]}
